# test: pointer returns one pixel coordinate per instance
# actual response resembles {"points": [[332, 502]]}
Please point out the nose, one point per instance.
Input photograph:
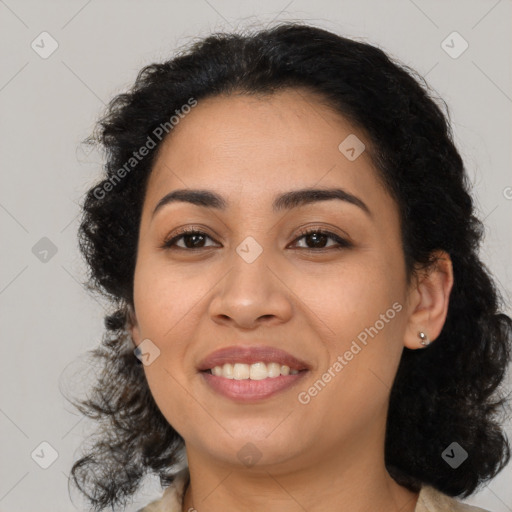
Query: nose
{"points": [[253, 292]]}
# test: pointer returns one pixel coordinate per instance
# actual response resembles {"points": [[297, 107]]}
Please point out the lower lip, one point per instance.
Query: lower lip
{"points": [[248, 390]]}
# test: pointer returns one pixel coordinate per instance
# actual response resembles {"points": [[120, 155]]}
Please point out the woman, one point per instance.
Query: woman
{"points": [[302, 321]]}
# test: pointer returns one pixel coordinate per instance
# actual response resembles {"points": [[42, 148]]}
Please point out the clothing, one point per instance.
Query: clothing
{"points": [[429, 499]]}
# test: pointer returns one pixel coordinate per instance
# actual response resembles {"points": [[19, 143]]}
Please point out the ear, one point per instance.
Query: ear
{"points": [[134, 326], [429, 296]]}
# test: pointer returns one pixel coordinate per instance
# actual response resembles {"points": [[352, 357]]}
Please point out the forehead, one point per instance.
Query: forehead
{"points": [[257, 145]]}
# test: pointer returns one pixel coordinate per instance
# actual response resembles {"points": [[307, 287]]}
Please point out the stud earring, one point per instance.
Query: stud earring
{"points": [[423, 338]]}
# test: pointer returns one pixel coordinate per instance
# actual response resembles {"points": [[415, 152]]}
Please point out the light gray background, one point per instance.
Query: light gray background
{"points": [[49, 105]]}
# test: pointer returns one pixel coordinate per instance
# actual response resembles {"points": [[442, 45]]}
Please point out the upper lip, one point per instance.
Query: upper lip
{"points": [[251, 354]]}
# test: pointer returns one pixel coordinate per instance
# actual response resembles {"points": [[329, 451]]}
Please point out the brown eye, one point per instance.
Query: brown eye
{"points": [[319, 237], [314, 238], [192, 239]]}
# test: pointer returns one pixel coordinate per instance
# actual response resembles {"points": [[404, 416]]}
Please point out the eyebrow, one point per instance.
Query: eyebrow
{"points": [[285, 201]]}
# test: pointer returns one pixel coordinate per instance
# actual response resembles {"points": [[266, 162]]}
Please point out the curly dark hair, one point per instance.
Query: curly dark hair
{"points": [[447, 392]]}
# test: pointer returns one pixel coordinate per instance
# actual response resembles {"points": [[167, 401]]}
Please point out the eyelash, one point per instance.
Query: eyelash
{"points": [[343, 243]]}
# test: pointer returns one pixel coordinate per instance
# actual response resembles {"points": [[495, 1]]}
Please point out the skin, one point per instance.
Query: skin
{"points": [[327, 455]]}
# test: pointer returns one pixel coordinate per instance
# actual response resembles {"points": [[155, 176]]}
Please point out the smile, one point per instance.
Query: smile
{"points": [[255, 371]]}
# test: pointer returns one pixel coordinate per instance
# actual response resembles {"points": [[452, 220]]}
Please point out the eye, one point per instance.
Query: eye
{"points": [[192, 238], [318, 237]]}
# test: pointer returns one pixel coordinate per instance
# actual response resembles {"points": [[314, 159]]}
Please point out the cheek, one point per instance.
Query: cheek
{"points": [[359, 314], [162, 298], [164, 306], [351, 296], [361, 323]]}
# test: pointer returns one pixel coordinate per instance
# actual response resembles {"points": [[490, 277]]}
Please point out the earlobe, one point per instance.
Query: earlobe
{"points": [[431, 290]]}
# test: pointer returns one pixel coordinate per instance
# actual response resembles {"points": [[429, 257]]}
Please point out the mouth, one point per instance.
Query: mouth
{"points": [[252, 355], [248, 374], [255, 371]]}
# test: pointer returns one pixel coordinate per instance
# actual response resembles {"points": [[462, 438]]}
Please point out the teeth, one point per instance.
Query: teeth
{"points": [[274, 369], [256, 371]]}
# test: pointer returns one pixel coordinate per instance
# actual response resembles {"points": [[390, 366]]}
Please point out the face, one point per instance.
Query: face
{"points": [[334, 299]]}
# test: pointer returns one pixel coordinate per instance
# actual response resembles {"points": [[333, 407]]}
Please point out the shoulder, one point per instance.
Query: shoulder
{"points": [[432, 500], [171, 500]]}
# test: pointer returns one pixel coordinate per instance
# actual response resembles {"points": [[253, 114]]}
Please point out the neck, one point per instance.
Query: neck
{"points": [[349, 479]]}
